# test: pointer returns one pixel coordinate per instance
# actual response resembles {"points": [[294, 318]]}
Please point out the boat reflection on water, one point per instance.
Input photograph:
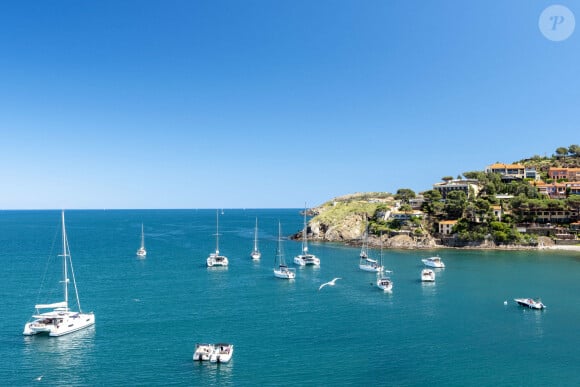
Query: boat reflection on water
{"points": [[53, 358]]}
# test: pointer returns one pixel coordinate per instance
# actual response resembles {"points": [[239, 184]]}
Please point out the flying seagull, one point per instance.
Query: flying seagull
{"points": [[330, 283]]}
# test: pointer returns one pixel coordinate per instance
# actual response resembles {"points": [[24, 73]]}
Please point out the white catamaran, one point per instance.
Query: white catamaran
{"points": [[306, 258], [61, 320], [215, 259], [142, 252], [256, 252]]}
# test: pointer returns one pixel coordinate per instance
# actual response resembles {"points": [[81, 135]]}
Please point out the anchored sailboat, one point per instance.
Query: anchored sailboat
{"points": [[306, 258], [282, 271], [61, 320], [256, 252], [142, 252], [215, 259]]}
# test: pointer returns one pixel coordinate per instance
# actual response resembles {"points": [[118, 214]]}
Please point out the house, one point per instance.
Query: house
{"points": [[570, 174], [558, 190], [402, 215], [469, 186], [510, 171], [446, 226], [497, 212]]}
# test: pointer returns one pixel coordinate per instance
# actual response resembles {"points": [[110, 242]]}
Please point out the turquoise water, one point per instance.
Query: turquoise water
{"points": [[151, 312]]}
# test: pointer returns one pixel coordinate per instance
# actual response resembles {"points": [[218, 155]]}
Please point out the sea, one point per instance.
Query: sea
{"points": [[463, 330]]}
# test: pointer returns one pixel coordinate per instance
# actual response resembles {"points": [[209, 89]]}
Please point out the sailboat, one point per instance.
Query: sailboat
{"points": [[282, 271], [215, 259], [61, 319], [142, 252], [383, 281], [256, 253], [365, 262], [305, 258]]}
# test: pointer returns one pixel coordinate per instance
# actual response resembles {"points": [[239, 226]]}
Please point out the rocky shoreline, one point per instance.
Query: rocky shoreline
{"points": [[350, 233]]}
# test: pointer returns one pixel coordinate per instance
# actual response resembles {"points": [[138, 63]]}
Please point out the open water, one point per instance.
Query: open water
{"points": [[150, 312]]}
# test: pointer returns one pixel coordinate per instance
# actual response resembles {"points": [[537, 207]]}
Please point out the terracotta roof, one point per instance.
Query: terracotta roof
{"points": [[506, 166]]}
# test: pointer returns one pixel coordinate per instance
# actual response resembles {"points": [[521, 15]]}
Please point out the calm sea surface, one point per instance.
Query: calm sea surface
{"points": [[151, 312]]}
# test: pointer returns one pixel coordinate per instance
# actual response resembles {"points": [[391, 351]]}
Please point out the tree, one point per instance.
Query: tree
{"points": [[562, 151], [404, 194], [455, 204], [447, 178], [574, 150]]}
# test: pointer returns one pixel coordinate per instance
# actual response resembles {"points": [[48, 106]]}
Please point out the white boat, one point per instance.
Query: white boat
{"points": [[433, 262], [202, 352], [366, 263], [141, 252], [427, 275], [215, 259], [61, 319], [530, 303], [306, 258], [281, 270], [222, 353], [383, 281], [255, 254]]}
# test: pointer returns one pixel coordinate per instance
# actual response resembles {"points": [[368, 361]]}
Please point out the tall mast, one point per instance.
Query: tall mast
{"points": [[217, 227], [256, 236], [64, 258], [305, 234], [142, 237]]}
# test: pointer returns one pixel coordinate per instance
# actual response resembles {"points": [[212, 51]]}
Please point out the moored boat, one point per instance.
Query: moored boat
{"points": [[433, 262], [427, 275], [255, 254], [215, 259], [306, 258], [202, 352], [365, 263], [530, 303], [141, 252], [282, 271], [222, 353], [61, 320]]}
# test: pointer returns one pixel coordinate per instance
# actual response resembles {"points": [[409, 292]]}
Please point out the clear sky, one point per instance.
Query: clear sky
{"points": [[271, 103]]}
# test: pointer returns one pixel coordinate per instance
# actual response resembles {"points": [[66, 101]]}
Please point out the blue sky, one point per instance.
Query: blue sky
{"points": [[211, 104]]}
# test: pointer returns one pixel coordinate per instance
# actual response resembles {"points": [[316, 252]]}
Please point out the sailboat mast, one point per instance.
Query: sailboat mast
{"points": [[142, 237], [305, 234], [64, 263], [217, 228], [279, 253], [256, 236]]}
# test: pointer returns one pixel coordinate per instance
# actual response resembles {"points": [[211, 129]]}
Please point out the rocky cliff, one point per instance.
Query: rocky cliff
{"points": [[344, 219]]}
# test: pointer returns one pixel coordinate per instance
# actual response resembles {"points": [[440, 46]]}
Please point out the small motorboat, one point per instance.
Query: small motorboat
{"points": [[427, 275], [433, 262], [203, 352], [530, 303], [222, 353]]}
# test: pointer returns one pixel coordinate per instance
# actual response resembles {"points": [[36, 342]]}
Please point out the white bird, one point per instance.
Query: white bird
{"points": [[330, 283]]}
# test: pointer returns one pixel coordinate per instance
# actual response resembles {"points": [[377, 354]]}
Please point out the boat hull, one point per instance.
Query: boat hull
{"points": [[222, 353], [371, 268], [307, 260], [64, 324], [433, 262], [530, 303], [428, 275], [284, 274], [217, 261]]}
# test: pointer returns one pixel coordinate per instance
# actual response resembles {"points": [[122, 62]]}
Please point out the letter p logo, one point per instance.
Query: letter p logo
{"points": [[557, 23]]}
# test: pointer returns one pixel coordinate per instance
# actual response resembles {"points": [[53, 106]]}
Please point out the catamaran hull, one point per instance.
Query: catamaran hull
{"points": [[372, 269], [67, 326]]}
